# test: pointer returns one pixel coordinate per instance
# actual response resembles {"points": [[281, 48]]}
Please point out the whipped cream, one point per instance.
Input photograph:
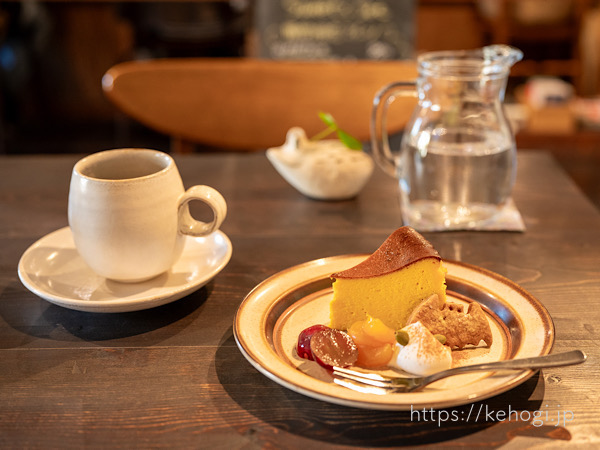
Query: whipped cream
{"points": [[423, 355]]}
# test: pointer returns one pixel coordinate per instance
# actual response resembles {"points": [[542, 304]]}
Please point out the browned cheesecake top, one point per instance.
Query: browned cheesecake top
{"points": [[402, 248]]}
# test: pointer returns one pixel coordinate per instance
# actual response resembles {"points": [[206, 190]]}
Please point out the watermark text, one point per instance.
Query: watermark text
{"points": [[483, 413]]}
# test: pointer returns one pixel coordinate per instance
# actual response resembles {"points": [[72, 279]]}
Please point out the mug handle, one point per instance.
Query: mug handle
{"points": [[380, 144], [192, 227]]}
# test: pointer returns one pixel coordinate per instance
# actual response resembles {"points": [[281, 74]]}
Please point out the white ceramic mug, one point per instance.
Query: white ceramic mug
{"points": [[128, 212]]}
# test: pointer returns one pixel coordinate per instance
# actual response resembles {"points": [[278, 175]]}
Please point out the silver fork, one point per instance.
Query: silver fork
{"points": [[415, 384]]}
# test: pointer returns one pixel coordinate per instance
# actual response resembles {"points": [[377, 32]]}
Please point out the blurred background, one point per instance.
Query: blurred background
{"points": [[53, 55]]}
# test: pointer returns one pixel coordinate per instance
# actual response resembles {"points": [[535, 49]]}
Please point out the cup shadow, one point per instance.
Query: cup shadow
{"points": [[89, 326], [51, 322]]}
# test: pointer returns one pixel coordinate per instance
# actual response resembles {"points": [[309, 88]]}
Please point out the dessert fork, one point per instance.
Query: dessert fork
{"points": [[415, 384]]}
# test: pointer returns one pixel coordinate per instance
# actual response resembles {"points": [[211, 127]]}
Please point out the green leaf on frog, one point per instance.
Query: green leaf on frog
{"points": [[328, 119], [349, 141]]}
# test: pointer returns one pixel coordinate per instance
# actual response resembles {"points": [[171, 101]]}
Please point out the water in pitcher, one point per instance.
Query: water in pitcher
{"points": [[455, 179]]}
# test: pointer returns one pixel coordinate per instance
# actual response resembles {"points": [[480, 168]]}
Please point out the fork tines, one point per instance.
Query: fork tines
{"points": [[374, 379], [371, 379]]}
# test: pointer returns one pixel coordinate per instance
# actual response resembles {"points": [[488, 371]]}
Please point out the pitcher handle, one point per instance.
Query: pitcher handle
{"points": [[380, 144]]}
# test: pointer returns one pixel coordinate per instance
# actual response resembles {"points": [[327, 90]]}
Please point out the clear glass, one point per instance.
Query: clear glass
{"points": [[456, 165]]}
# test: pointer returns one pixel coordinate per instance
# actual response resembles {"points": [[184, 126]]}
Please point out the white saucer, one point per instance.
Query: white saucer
{"points": [[52, 269]]}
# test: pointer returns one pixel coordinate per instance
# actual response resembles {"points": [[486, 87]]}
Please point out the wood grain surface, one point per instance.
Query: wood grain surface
{"points": [[173, 377]]}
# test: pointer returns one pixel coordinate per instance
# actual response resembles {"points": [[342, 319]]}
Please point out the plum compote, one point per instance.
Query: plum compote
{"points": [[303, 345], [327, 346], [333, 347]]}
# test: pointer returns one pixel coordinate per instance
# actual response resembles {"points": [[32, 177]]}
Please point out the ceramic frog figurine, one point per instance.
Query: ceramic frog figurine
{"points": [[324, 169]]}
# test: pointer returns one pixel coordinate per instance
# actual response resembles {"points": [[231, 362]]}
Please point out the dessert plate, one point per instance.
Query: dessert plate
{"points": [[272, 315], [52, 269]]}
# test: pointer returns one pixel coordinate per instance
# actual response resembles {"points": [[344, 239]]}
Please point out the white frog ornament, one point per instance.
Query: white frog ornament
{"points": [[324, 170]]}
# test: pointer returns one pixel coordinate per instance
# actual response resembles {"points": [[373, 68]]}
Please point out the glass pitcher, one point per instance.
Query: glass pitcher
{"points": [[456, 164]]}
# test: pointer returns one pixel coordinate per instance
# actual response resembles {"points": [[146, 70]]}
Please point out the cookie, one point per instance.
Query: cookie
{"points": [[460, 327]]}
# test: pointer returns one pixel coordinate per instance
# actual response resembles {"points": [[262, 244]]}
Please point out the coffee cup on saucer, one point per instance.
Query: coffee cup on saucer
{"points": [[129, 215]]}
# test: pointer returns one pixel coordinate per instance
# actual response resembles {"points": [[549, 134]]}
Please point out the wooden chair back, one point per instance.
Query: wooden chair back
{"points": [[249, 104]]}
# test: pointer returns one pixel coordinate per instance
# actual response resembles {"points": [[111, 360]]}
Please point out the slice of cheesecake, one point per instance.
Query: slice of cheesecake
{"points": [[390, 283]]}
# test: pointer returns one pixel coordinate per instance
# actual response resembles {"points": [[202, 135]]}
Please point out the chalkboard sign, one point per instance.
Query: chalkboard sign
{"points": [[332, 29]]}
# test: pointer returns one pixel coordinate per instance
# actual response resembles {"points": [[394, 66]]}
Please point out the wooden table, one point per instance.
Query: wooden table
{"points": [[174, 377]]}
